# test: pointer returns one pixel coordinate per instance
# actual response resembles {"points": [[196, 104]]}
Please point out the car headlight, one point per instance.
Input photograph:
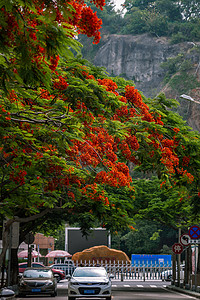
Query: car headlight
{"points": [[104, 283], [23, 283], [49, 283], [74, 283]]}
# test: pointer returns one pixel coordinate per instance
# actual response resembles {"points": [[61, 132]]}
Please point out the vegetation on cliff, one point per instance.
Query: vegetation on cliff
{"points": [[178, 20]]}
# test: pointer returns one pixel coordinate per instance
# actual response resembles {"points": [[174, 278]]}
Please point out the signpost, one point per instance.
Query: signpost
{"points": [[194, 233], [177, 248], [186, 239], [29, 239]]}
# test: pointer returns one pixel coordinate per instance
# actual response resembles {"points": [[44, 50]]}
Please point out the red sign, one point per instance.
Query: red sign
{"points": [[177, 248]]}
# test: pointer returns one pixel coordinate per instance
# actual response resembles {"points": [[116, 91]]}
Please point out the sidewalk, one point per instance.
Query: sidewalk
{"points": [[183, 291]]}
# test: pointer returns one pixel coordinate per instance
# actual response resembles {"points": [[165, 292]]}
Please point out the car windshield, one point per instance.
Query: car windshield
{"points": [[82, 272], [37, 274], [23, 266]]}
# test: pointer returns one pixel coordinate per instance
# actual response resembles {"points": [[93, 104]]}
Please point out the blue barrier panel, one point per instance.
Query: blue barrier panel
{"points": [[162, 260]]}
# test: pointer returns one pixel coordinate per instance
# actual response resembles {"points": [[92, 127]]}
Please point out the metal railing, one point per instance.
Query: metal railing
{"points": [[125, 270]]}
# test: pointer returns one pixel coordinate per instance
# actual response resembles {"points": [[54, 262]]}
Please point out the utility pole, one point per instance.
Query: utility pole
{"points": [[29, 239], [178, 258]]}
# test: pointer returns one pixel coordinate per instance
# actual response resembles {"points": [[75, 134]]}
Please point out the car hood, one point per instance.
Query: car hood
{"points": [[89, 279], [57, 270]]}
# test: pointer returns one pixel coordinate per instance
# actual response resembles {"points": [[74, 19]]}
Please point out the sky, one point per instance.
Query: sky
{"points": [[118, 3]]}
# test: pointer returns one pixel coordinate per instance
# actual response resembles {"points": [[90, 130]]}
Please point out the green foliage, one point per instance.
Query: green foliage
{"points": [[156, 23], [139, 241], [154, 202], [166, 250], [180, 73], [135, 23], [60, 240], [183, 83], [179, 21]]}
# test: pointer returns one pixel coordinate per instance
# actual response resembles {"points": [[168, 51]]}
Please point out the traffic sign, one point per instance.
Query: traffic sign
{"points": [[29, 238], [177, 248], [185, 239], [194, 232]]}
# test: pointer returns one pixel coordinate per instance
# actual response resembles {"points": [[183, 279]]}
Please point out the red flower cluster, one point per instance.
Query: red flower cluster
{"points": [[117, 176], [186, 160], [90, 24], [185, 174], [60, 83], [125, 150], [169, 159], [99, 3], [124, 114], [91, 191], [5, 114], [54, 62], [134, 97], [132, 142], [110, 85], [71, 195], [18, 177], [12, 28]]}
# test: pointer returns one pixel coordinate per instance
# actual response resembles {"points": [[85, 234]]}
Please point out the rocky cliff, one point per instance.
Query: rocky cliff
{"points": [[140, 59]]}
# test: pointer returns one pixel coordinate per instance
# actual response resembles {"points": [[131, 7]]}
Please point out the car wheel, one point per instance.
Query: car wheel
{"points": [[71, 298], [108, 298], [20, 295], [59, 278], [54, 294]]}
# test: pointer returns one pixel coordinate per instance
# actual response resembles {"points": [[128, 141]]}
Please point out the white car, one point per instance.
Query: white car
{"points": [[89, 282], [167, 275]]}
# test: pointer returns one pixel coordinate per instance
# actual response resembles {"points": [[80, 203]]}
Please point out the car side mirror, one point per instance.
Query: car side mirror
{"points": [[7, 294], [111, 276], [56, 276], [68, 276]]}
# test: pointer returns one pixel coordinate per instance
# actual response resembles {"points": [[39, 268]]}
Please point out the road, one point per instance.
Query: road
{"points": [[147, 294], [128, 290]]}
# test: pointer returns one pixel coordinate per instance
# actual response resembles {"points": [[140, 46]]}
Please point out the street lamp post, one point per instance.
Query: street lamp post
{"points": [[186, 97]]}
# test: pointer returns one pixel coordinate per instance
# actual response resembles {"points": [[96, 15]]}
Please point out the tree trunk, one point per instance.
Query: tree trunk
{"points": [[14, 264], [5, 241], [6, 230], [3, 279]]}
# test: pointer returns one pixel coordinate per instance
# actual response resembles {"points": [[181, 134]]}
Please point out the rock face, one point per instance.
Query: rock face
{"points": [[138, 58], [100, 253]]}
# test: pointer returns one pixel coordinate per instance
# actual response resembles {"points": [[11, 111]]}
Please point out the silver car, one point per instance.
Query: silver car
{"points": [[38, 281], [89, 282]]}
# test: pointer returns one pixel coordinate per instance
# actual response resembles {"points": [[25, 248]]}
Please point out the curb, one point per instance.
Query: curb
{"points": [[183, 291]]}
